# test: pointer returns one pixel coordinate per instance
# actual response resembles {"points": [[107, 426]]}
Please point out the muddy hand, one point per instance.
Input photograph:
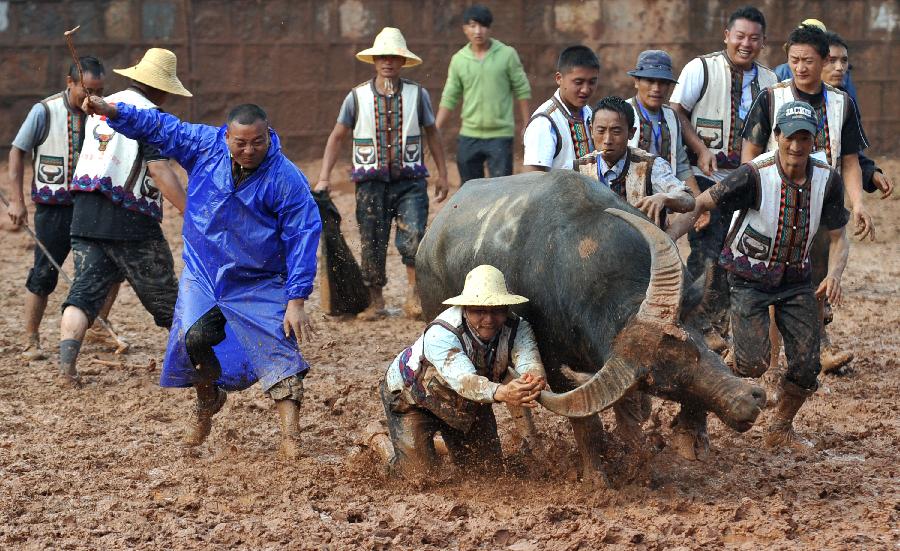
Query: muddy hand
{"points": [[884, 183], [297, 322], [18, 213], [830, 288], [95, 105], [863, 225], [520, 392]]}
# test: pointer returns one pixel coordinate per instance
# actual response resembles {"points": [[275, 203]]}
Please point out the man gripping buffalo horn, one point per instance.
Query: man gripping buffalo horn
{"points": [[447, 380], [780, 198]]}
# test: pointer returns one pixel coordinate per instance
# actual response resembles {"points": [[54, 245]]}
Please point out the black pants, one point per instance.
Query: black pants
{"points": [[147, 265], [207, 332], [412, 431], [796, 316], [51, 226], [473, 153], [377, 205]]}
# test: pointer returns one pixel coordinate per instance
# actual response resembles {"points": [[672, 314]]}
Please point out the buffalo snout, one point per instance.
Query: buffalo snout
{"points": [[745, 407]]}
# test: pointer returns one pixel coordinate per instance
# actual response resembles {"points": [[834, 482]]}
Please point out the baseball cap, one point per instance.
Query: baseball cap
{"points": [[795, 116]]}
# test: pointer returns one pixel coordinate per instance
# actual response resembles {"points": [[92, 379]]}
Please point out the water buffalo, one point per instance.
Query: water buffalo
{"points": [[607, 297]]}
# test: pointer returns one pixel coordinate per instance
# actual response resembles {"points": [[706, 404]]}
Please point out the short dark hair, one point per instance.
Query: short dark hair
{"points": [[749, 13], [577, 56], [247, 113], [617, 104], [834, 39], [89, 64], [811, 36], [479, 14]]}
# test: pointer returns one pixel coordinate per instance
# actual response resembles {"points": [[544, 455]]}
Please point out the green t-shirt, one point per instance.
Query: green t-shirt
{"points": [[487, 88]]}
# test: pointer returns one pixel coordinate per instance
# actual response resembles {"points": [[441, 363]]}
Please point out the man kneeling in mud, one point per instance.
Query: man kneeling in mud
{"points": [[447, 380]]}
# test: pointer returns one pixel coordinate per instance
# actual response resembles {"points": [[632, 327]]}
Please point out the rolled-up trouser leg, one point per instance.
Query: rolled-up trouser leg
{"points": [[412, 431], [479, 448], [201, 337], [289, 388]]}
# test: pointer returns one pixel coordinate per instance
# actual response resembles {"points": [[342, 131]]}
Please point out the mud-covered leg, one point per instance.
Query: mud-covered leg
{"points": [[631, 411], [591, 438], [690, 439]]}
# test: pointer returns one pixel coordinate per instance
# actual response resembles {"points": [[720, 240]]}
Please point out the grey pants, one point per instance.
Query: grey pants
{"points": [[412, 430]]}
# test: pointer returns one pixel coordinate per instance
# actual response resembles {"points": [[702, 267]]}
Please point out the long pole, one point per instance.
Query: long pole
{"points": [[121, 345]]}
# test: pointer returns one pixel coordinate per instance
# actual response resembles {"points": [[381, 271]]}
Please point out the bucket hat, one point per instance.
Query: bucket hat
{"points": [[157, 69], [485, 286], [389, 41], [654, 64]]}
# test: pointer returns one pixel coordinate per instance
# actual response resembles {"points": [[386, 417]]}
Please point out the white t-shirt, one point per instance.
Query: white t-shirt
{"points": [[687, 93], [690, 82], [540, 139]]}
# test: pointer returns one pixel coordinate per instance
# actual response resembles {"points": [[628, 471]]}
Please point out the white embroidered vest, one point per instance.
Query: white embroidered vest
{"points": [[715, 117], [634, 183], [573, 136], [56, 154], [112, 164], [773, 239], [836, 106], [383, 132], [672, 123]]}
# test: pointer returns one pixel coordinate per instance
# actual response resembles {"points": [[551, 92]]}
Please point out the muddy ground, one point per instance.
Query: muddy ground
{"points": [[101, 467]]}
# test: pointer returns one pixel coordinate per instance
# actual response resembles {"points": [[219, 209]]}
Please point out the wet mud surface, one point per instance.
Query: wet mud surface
{"points": [[102, 467]]}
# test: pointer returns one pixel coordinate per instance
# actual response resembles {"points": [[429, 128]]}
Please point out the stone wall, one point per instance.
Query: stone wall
{"points": [[296, 57]]}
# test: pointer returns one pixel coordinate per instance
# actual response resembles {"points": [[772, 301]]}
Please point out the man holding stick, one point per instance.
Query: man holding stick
{"points": [[53, 132]]}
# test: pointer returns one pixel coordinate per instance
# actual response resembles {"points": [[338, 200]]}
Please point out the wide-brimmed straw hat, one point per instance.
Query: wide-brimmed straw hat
{"points": [[485, 286], [389, 41], [157, 69]]}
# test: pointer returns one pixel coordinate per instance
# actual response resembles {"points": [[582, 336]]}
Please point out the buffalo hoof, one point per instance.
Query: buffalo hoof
{"points": [[593, 479], [691, 445]]}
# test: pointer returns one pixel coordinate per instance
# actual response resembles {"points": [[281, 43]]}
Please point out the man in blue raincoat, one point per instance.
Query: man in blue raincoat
{"points": [[251, 229]]}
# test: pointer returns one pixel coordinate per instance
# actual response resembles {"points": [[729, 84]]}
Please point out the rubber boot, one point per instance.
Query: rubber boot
{"points": [[210, 400], [289, 417], [780, 432]]}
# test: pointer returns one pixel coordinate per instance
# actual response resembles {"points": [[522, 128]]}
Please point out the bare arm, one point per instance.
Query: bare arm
{"points": [[706, 161], [443, 115], [18, 212], [167, 183], [750, 151], [436, 145], [524, 112], [338, 134], [852, 176], [838, 252]]}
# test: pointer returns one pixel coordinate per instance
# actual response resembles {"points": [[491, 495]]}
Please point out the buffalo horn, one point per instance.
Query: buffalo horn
{"points": [[602, 390], [663, 300]]}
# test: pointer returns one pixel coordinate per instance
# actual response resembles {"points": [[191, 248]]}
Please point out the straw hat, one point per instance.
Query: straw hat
{"points": [[485, 286], [389, 41], [157, 69]]}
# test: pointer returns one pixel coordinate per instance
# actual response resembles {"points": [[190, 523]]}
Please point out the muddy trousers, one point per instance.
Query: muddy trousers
{"points": [[207, 332], [377, 205], [796, 315], [412, 430]]}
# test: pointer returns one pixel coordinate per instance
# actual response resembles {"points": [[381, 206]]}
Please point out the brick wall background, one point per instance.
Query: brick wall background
{"points": [[295, 57]]}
